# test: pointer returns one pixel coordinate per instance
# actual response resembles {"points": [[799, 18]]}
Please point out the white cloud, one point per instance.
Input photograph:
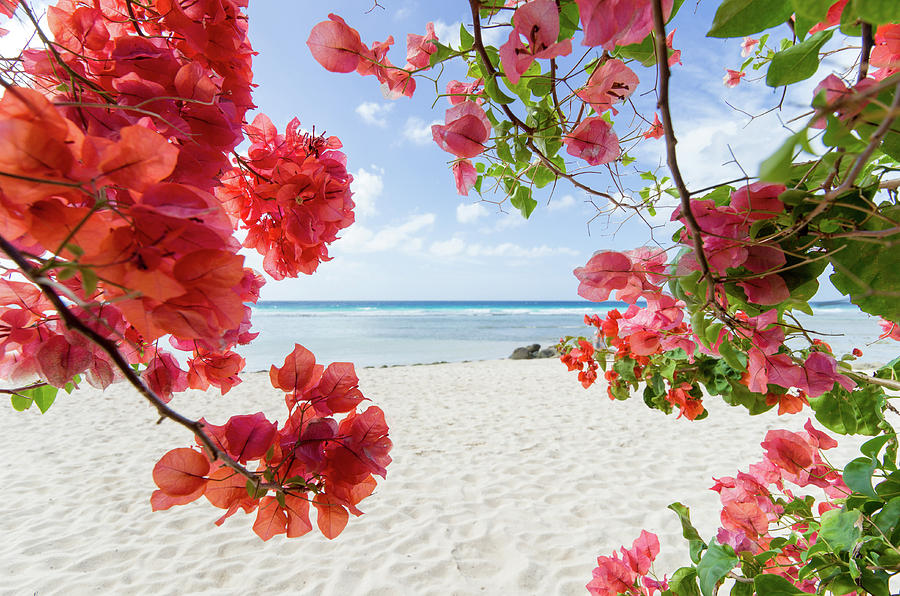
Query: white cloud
{"points": [[560, 204], [417, 131], [456, 247], [367, 187], [448, 34], [360, 239], [447, 248], [470, 212], [374, 113], [508, 249]]}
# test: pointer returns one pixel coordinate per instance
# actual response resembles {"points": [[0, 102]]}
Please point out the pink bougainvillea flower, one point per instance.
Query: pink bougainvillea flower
{"points": [[835, 90], [630, 273], [733, 77], [886, 53], [609, 84], [821, 375], [788, 450], [736, 539], [890, 330], [464, 176], [767, 290], [655, 131], [538, 22], [748, 45], [593, 141], [419, 48], [674, 55], [642, 553], [758, 200], [458, 92], [335, 45], [611, 576], [8, 7], [609, 23], [466, 130], [832, 17]]}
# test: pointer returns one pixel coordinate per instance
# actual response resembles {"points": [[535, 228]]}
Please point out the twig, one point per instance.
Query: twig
{"points": [[867, 44], [76, 324], [659, 28]]}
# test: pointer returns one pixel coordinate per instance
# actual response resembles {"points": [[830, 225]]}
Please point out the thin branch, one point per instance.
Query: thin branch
{"points": [[109, 347], [868, 42], [662, 63]]}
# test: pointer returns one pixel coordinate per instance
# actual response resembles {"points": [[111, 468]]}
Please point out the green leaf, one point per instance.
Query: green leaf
{"points": [[797, 63], [872, 447], [886, 519], [684, 582], [523, 202], [768, 584], [841, 529], [44, 397], [742, 589], [20, 403], [777, 167], [875, 583], [540, 86], [643, 52], [859, 412], [858, 476], [254, 491], [876, 12], [714, 566], [867, 271], [814, 10], [736, 18], [568, 20], [541, 175], [734, 358], [443, 53], [687, 528], [466, 39], [492, 90], [741, 396]]}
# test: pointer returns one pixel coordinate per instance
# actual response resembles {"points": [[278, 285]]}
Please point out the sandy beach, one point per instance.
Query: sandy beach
{"points": [[508, 478]]}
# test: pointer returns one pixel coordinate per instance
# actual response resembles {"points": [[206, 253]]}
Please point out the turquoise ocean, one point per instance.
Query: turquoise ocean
{"points": [[412, 332]]}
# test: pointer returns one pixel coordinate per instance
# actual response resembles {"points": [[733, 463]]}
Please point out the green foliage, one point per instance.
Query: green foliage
{"points": [[42, 396], [798, 62], [876, 12], [690, 533], [736, 18], [714, 566], [867, 271], [859, 412]]}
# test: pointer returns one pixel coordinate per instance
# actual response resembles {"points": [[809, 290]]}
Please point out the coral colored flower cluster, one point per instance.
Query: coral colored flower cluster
{"points": [[291, 193], [119, 208], [312, 458], [582, 359], [751, 501], [112, 165], [632, 573]]}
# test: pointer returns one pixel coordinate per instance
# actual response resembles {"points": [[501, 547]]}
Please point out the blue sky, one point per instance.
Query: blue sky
{"points": [[414, 238]]}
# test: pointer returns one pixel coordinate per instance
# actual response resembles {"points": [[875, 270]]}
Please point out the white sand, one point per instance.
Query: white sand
{"points": [[508, 478]]}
